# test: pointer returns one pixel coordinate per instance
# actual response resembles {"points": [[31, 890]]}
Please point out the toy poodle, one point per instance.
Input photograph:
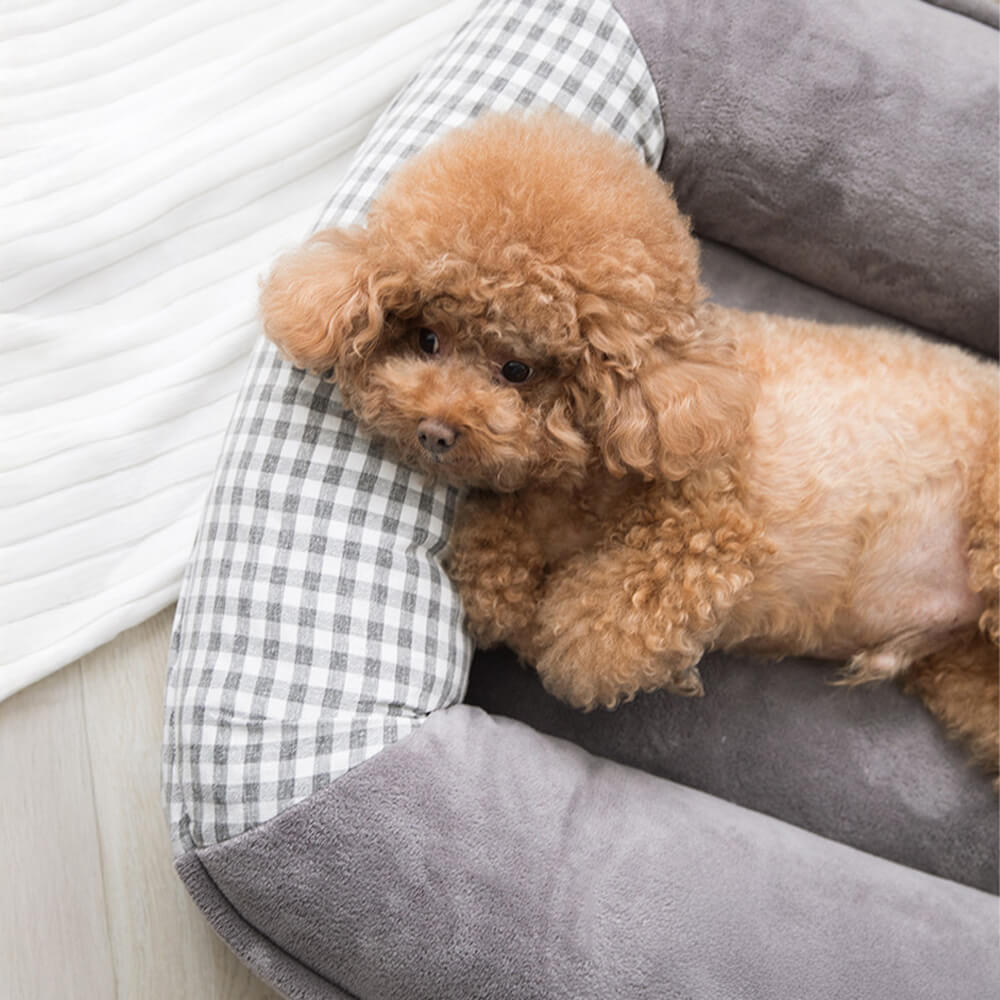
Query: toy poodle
{"points": [[652, 476]]}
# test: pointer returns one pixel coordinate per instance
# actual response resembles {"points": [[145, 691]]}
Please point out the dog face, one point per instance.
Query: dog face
{"points": [[521, 306]]}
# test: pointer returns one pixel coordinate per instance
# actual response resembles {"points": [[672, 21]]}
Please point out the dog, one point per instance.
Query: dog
{"points": [[651, 476]]}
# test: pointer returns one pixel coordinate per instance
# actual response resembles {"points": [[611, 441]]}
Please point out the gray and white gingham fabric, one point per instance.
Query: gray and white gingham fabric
{"points": [[315, 626]]}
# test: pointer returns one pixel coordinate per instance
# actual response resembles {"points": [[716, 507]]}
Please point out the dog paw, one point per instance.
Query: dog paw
{"points": [[588, 671], [871, 665], [686, 682], [892, 658]]}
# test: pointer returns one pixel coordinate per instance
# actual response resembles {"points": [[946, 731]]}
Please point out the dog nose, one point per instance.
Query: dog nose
{"points": [[436, 436]]}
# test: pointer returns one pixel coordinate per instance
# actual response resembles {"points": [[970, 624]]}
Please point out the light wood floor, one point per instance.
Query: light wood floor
{"points": [[90, 906]]}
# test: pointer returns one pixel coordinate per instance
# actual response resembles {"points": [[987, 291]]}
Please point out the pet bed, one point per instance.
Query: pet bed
{"points": [[351, 828]]}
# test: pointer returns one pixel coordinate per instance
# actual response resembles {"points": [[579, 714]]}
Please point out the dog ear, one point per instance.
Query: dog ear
{"points": [[675, 410], [317, 300]]}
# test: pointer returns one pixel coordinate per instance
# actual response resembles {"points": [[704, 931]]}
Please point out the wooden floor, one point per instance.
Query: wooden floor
{"points": [[90, 906]]}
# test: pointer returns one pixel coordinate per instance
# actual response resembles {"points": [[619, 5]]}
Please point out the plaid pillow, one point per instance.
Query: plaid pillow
{"points": [[315, 626]]}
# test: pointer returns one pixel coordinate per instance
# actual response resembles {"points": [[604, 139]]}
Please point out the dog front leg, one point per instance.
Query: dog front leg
{"points": [[636, 616], [498, 569]]}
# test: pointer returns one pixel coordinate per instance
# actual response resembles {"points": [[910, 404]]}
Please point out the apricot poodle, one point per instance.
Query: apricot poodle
{"points": [[653, 476]]}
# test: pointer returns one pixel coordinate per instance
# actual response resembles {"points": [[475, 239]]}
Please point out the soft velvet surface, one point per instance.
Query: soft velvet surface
{"points": [[868, 767], [479, 858], [851, 144], [987, 11]]}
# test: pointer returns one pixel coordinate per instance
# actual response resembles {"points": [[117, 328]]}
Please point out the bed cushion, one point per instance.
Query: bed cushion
{"points": [[852, 145], [314, 625], [867, 767], [480, 858]]}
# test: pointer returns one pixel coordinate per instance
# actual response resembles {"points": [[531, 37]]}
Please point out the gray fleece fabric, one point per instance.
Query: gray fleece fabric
{"points": [[478, 859], [867, 766], [853, 145], [987, 11]]}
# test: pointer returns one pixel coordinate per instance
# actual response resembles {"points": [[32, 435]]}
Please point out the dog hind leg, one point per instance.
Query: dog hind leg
{"points": [[982, 512], [960, 684]]}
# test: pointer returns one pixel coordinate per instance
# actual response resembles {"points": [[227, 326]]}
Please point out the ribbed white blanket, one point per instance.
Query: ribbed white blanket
{"points": [[154, 158]]}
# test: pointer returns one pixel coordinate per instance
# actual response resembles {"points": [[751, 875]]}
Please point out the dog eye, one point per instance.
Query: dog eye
{"points": [[428, 341], [515, 371]]}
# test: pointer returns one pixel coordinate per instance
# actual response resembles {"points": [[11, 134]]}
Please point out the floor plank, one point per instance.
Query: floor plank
{"points": [[53, 919], [90, 906]]}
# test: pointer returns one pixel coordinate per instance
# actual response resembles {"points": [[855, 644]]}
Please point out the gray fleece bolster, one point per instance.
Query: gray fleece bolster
{"points": [[851, 144], [987, 11], [865, 766], [478, 858]]}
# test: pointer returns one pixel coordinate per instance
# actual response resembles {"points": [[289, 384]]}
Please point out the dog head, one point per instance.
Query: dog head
{"points": [[522, 304]]}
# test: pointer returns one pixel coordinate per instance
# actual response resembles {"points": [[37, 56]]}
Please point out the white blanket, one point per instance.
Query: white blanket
{"points": [[154, 158]]}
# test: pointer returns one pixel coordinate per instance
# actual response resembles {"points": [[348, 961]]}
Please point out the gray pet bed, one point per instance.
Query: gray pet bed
{"points": [[352, 829]]}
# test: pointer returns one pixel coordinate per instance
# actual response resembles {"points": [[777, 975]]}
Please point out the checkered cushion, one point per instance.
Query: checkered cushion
{"points": [[315, 626]]}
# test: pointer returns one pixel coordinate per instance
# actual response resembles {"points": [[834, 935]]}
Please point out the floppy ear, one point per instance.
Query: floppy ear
{"points": [[676, 410], [316, 299]]}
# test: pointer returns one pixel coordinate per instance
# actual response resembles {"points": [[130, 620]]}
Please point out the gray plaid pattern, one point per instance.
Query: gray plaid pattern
{"points": [[315, 626]]}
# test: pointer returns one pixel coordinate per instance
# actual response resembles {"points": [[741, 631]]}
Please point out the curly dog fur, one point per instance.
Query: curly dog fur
{"points": [[651, 475]]}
